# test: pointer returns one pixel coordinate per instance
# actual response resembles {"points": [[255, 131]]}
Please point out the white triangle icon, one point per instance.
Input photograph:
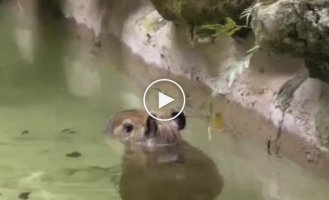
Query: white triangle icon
{"points": [[164, 100]]}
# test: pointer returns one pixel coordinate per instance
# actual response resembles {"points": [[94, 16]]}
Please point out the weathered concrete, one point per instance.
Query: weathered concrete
{"points": [[296, 28], [200, 12], [264, 103]]}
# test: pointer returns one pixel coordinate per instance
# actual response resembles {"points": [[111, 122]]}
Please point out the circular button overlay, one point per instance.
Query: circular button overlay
{"points": [[163, 95]]}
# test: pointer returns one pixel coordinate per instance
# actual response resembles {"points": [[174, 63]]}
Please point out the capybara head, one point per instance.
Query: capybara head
{"points": [[136, 126]]}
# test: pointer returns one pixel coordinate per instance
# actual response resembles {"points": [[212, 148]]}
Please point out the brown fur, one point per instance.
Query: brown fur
{"points": [[172, 170], [167, 132]]}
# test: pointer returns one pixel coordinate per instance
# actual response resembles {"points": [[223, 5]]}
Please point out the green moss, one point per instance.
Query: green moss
{"points": [[149, 24], [177, 6], [152, 23]]}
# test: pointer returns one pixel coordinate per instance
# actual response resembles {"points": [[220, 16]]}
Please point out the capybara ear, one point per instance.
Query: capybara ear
{"points": [[151, 127], [180, 120]]}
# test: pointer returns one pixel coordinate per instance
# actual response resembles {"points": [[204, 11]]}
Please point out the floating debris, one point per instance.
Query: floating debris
{"points": [[72, 132], [24, 195], [70, 172], [217, 121], [209, 134], [74, 154], [65, 130], [68, 131], [25, 132]]}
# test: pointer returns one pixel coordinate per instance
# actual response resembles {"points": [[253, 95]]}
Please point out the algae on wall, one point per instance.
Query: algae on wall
{"points": [[196, 12], [200, 12]]}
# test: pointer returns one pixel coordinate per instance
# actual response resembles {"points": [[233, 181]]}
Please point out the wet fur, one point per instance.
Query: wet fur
{"points": [[158, 176], [158, 164], [147, 131]]}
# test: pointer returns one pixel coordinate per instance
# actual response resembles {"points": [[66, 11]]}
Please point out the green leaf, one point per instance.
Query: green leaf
{"points": [[222, 83], [228, 28]]}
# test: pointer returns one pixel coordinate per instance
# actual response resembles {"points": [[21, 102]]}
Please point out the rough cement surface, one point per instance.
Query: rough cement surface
{"points": [[296, 28]]}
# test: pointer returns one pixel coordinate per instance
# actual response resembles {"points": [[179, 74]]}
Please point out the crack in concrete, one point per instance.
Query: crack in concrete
{"points": [[284, 98]]}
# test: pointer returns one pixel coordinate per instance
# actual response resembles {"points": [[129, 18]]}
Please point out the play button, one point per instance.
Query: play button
{"points": [[164, 100], [164, 95]]}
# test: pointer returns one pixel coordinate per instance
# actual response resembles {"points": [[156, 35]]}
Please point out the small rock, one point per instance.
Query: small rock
{"points": [[24, 195], [74, 154]]}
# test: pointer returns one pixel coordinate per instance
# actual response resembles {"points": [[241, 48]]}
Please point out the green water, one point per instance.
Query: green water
{"points": [[53, 109]]}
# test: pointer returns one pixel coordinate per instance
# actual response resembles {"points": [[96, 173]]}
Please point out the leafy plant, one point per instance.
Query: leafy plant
{"points": [[222, 84], [247, 14], [227, 29]]}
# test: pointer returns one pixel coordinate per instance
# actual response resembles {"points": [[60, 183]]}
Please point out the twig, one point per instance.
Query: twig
{"points": [[20, 6]]}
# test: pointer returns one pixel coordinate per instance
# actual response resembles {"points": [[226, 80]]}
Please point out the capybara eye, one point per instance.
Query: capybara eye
{"points": [[128, 127]]}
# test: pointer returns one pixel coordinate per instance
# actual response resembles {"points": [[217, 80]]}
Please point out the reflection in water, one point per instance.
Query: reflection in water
{"points": [[24, 39], [88, 8], [83, 75], [164, 175], [26, 21]]}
